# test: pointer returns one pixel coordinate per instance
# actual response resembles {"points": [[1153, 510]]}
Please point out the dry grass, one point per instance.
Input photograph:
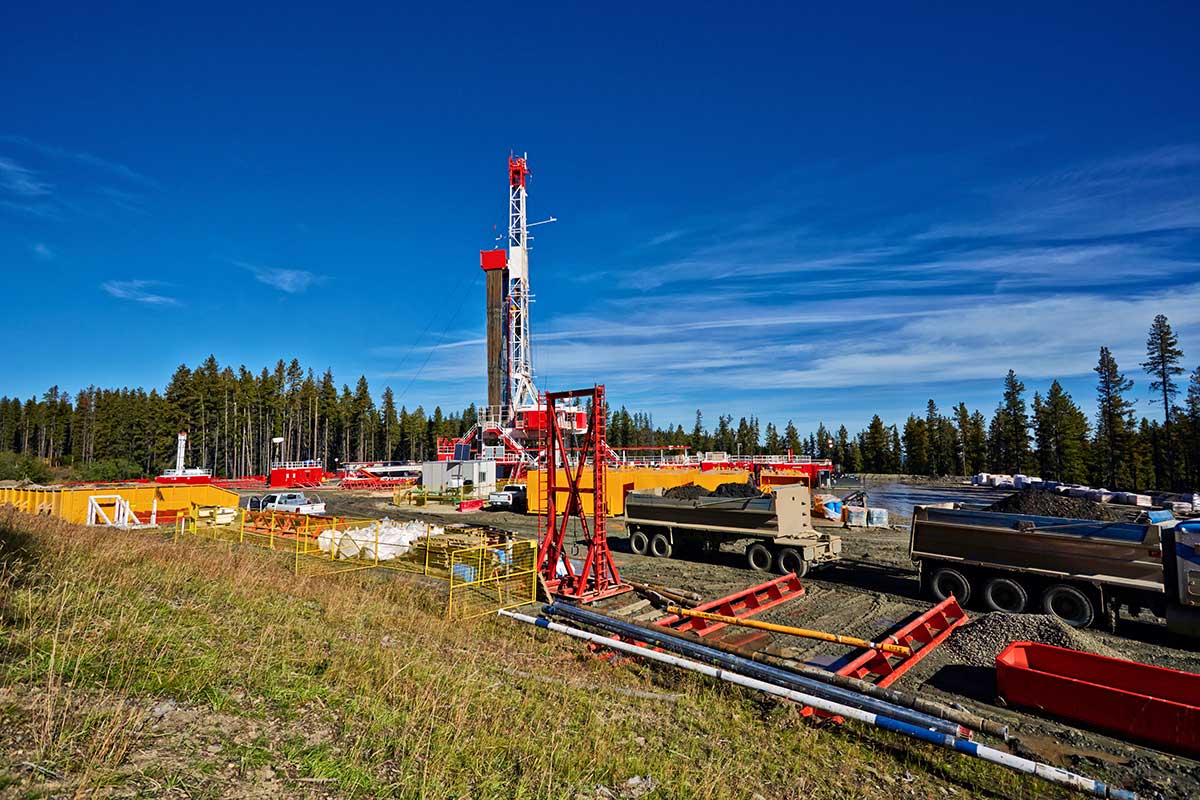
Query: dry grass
{"points": [[356, 686]]}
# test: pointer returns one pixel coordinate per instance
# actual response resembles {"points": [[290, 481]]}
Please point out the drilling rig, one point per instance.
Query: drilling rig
{"points": [[513, 420]]}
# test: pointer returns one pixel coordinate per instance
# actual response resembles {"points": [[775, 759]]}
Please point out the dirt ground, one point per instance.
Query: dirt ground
{"points": [[873, 589]]}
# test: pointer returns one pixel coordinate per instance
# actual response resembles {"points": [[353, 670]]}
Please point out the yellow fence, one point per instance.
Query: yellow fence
{"points": [[490, 577], [493, 572]]}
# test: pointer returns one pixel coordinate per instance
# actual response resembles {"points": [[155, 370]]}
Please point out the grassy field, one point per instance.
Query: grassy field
{"points": [[132, 665]]}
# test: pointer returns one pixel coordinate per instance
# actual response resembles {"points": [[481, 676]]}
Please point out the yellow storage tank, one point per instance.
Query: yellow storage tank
{"points": [[619, 482]]}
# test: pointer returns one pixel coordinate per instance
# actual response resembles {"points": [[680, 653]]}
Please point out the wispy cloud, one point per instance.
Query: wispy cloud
{"points": [[1103, 220], [19, 181], [81, 157], [777, 312], [139, 291], [291, 281], [42, 251], [667, 236]]}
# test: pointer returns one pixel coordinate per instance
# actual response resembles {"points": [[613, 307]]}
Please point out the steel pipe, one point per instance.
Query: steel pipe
{"points": [[761, 672], [1028, 766], [908, 700]]}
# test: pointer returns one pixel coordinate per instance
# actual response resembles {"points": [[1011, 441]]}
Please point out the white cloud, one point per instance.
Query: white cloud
{"points": [[20, 181], [107, 165], [667, 236], [138, 291], [291, 281], [42, 251], [778, 318]]}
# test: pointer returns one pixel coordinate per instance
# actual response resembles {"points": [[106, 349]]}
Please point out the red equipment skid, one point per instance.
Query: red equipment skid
{"points": [[745, 603], [923, 634], [598, 577]]}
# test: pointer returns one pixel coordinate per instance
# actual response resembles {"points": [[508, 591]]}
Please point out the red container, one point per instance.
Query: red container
{"points": [[1136, 701], [295, 477]]}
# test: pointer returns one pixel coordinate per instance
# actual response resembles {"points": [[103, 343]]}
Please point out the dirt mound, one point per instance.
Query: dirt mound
{"points": [[978, 642], [689, 491], [737, 490], [1051, 504], [693, 492]]}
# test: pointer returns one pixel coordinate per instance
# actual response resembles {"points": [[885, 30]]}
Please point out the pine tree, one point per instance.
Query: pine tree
{"points": [[699, 440], [791, 438], [1114, 427], [916, 446], [824, 442], [1192, 410], [1010, 428], [1061, 434], [842, 455], [1162, 363], [876, 447], [773, 444]]}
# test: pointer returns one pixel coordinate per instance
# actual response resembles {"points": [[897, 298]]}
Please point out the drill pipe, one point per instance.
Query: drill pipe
{"points": [[674, 595], [982, 752], [906, 699], [758, 671]]}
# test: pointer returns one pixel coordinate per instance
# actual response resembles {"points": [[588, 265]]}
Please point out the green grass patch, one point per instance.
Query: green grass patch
{"points": [[357, 684]]}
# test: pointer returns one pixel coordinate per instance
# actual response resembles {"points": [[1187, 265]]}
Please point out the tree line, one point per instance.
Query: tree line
{"points": [[233, 416]]}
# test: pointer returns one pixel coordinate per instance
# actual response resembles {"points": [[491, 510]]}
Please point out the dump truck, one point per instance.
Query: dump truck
{"points": [[778, 528], [1081, 571]]}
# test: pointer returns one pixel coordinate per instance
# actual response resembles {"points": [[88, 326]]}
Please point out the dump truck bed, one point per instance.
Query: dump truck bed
{"points": [[1113, 553], [754, 515], [779, 528]]}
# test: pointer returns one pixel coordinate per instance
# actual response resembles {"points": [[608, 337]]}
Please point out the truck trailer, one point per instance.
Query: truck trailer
{"points": [[1082, 571], [778, 529]]}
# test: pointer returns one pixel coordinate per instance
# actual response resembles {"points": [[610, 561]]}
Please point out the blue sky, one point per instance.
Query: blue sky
{"points": [[796, 213]]}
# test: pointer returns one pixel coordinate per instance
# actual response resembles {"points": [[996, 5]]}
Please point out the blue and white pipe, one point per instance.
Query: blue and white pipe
{"points": [[753, 669], [1041, 770]]}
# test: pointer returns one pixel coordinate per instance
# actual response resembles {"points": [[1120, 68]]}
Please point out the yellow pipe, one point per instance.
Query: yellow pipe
{"points": [[897, 649]]}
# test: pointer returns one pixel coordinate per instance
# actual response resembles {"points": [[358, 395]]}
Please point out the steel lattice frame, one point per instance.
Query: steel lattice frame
{"points": [[522, 393], [598, 578]]}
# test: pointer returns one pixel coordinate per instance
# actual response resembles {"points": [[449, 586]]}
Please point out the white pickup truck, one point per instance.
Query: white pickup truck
{"points": [[294, 502], [512, 497]]}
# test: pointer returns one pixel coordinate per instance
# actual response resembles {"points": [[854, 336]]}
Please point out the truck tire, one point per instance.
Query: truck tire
{"points": [[1005, 594], [660, 545], [789, 559], [947, 581], [758, 557], [1069, 604], [639, 542]]}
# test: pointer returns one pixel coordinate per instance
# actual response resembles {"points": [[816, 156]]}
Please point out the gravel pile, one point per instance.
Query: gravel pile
{"points": [[978, 642], [693, 492], [737, 490], [687, 492], [1051, 504]]}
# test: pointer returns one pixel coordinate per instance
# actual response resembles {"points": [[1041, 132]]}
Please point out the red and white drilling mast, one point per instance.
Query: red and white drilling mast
{"points": [[512, 422], [522, 394]]}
